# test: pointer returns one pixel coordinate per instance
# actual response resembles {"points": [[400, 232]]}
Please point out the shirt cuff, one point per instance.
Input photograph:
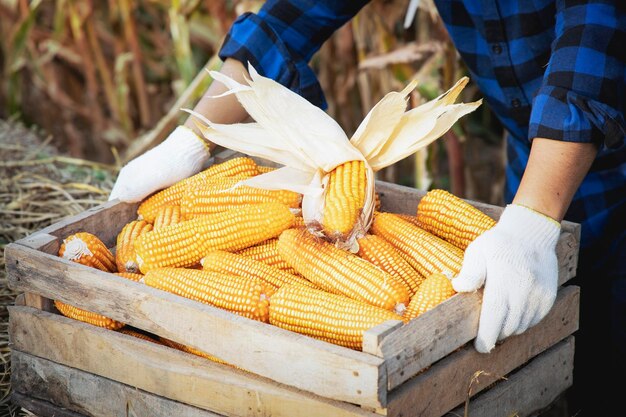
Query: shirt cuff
{"points": [[562, 114], [252, 40]]}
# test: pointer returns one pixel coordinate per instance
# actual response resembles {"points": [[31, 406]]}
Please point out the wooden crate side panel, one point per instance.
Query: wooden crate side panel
{"points": [[48, 388], [41, 408], [105, 221], [451, 324], [447, 380], [327, 370], [528, 390]]}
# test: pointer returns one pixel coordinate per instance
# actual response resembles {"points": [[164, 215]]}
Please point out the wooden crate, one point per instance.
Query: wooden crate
{"points": [[422, 368]]}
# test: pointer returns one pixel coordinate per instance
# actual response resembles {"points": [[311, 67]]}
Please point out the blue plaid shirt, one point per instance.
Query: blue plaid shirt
{"points": [[550, 69]]}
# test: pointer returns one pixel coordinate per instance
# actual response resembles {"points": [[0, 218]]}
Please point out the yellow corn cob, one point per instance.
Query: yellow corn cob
{"points": [[237, 167], [381, 253], [425, 252], [267, 252], [189, 349], [434, 290], [246, 297], [138, 335], [168, 215], [87, 316], [344, 200], [125, 256], [299, 222], [329, 317], [184, 244], [218, 196], [451, 218], [235, 264], [340, 272], [133, 276], [265, 169], [407, 217], [87, 249]]}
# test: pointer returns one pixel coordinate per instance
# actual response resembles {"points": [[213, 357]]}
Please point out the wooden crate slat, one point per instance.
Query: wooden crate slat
{"points": [[444, 384], [42, 408], [105, 221], [435, 334], [529, 390], [322, 368], [50, 389], [161, 370], [524, 392]]}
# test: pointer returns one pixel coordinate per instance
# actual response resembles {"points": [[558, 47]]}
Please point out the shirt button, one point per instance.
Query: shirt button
{"points": [[496, 48], [516, 103]]}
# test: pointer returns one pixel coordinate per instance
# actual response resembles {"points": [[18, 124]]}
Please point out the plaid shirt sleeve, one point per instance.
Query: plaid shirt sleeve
{"points": [[583, 94], [280, 40]]}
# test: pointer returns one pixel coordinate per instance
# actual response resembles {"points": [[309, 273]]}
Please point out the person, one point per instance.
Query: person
{"points": [[554, 72]]}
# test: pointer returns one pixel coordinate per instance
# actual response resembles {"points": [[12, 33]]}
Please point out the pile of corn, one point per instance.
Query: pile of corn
{"points": [[246, 250]]}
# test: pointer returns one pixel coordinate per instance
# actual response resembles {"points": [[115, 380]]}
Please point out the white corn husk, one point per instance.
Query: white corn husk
{"points": [[291, 131]]}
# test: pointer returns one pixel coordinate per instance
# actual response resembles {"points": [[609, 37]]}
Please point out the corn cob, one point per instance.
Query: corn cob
{"points": [[425, 252], [184, 244], [138, 335], [168, 215], [237, 167], [130, 275], [267, 252], [189, 349], [340, 272], [329, 317], [246, 297], [125, 256], [452, 218], [409, 218], [434, 290], [299, 222], [87, 249], [265, 169], [381, 253], [218, 195], [344, 200], [87, 316], [235, 264]]}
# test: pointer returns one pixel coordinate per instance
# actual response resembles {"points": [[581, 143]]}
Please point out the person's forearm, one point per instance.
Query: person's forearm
{"points": [[554, 172], [223, 109]]}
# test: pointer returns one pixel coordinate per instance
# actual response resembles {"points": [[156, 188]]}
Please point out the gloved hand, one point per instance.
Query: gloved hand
{"points": [[516, 261], [179, 156]]}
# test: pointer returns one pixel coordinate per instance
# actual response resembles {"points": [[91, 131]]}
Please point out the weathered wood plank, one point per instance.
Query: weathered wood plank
{"points": [[322, 368], [41, 241], [436, 333], [41, 408], [447, 380], [529, 390], [105, 221], [51, 389], [162, 370]]}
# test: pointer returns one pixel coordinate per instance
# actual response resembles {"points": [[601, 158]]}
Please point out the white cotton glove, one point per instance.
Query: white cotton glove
{"points": [[181, 155], [516, 261]]}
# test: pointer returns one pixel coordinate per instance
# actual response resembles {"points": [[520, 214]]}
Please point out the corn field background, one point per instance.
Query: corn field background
{"points": [[88, 85]]}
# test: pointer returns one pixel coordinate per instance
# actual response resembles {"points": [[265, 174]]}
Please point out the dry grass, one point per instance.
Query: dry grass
{"points": [[38, 187]]}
